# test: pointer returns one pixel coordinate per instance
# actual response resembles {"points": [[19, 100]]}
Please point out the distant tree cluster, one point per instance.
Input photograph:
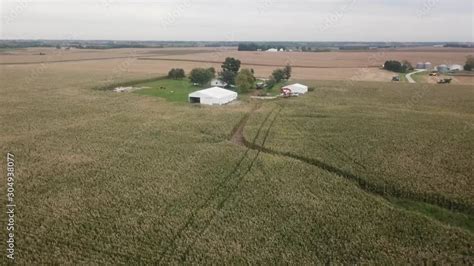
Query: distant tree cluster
{"points": [[396, 66], [469, 66], [202, 76], [256, 47], [314, 50], [176, 73], [458, 45]]}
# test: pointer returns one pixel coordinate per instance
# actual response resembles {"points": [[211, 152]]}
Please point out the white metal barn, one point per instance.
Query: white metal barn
{"points": [[297, 88], [212, 96]]}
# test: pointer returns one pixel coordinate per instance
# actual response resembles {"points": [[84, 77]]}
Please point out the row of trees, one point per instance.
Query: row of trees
{"points": [[176, 73], [257, 46], [231, 74], [278, 75], [202, 76], [396, 66]]}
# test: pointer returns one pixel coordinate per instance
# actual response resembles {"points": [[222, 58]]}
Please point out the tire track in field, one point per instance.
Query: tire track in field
{"points": [[220, 189], [330, 147], [221, 204], [382, 190]]}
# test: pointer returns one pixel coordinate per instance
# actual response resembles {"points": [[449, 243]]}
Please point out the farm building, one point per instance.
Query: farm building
{"points": [[212, 96], [218, 83], [442, 68], [296, 88], [426, 65], [272, 50], [456, 68]]}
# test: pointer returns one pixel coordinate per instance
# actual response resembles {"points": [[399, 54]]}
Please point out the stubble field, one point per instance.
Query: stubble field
{"points": [[125, 178], [343, 65]]}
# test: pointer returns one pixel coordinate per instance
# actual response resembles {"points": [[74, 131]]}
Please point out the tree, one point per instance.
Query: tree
{"points": [[278, 74], [201, 76], [287, 71], [245, 80], [271, 82], [396, 66], [469, 66], [213, 71], [231, 64], [407, 66], [228, 77], [176, 73]]}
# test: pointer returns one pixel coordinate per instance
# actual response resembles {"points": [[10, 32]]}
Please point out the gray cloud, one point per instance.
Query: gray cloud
{"points": [[305, 20]]}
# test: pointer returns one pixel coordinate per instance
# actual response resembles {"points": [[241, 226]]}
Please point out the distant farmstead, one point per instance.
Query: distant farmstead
{"points": [[212, 96]]}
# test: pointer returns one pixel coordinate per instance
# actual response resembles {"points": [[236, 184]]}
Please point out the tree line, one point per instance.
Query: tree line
{"points": [[231, 75], [397, 66]]}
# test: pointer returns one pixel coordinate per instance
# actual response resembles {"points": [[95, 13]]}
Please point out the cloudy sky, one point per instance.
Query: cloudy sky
{"points": [[239, 20]]}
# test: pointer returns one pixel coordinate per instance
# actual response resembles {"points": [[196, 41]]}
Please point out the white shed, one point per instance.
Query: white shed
{"points": [[212, 96], [456, 68], [297, 88], [218, 83]]}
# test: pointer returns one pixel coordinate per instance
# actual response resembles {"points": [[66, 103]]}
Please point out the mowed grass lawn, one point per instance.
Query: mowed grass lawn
{"points": [[169, 89], [117, 178]]}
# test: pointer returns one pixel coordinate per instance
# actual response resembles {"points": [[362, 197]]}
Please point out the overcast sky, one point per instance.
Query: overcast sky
{"points": [[251, 20]]}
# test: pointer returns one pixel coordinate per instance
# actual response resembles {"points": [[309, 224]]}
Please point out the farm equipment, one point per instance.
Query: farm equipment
{"points": [[445, 81], [396, 78]]}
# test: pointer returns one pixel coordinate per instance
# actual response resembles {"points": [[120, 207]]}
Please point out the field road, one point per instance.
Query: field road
{"points": [[410, 79]]}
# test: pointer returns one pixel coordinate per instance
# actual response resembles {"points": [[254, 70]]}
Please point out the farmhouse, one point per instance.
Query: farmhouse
{"points": [[218, 83], [296, 88], [212, 96]]}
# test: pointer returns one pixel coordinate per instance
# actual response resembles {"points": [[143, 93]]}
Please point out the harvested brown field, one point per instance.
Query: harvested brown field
{"points": [[39, 55], [341, 59], [343, 65]]}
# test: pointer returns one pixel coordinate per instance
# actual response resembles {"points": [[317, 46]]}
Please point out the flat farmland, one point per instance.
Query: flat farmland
{"points": [[336, 59], [359, 66], [122, 178], [39, 55]]}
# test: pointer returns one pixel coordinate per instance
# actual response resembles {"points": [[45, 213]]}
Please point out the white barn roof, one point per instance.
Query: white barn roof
{"points": [[297, 88], [211, 96]]}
